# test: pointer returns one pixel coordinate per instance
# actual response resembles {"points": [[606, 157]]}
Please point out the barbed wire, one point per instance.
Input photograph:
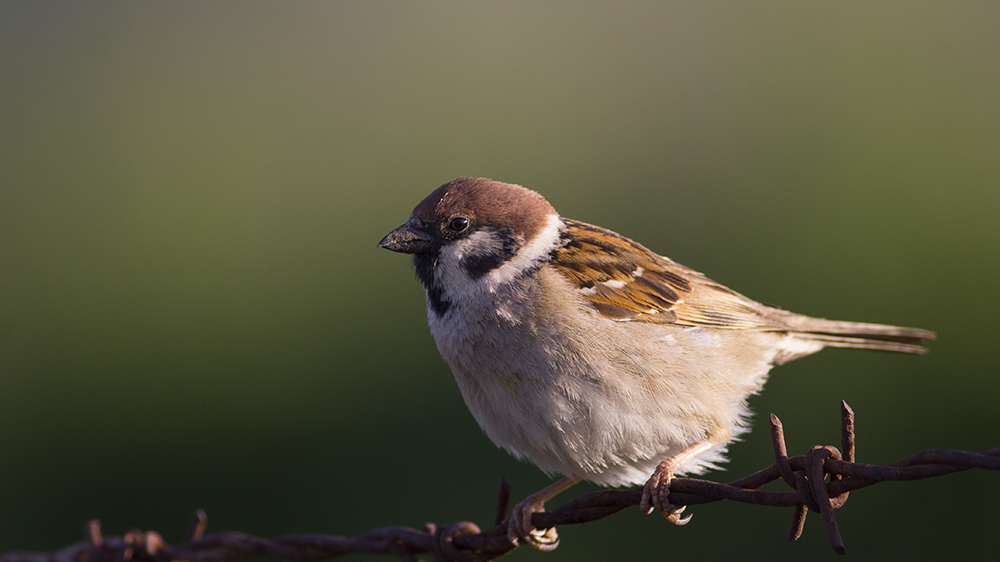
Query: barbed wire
{"points": [[465, 542]]}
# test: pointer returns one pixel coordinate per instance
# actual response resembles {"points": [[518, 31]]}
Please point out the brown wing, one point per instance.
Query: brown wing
{"points": [[625, 281]]}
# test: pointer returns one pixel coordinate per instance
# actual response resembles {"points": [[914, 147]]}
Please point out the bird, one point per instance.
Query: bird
{"points": [[591, 356]]}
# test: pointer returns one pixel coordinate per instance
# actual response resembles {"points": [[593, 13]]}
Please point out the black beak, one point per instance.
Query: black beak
{"points": [[406, 240]]}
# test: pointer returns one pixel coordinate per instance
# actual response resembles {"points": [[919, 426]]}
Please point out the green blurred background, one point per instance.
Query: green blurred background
{"points": [[193, 312]]}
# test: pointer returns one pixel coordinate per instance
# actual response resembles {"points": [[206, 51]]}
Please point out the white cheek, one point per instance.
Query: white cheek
{"points": [[450, 274], [459, 286]]}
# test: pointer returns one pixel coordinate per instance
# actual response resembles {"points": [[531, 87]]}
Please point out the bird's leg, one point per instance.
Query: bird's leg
{"points": [[520, 519], [656, 492]]}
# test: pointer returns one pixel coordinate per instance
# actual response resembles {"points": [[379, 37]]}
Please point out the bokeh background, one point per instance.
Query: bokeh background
{"points": [[193, 312]]}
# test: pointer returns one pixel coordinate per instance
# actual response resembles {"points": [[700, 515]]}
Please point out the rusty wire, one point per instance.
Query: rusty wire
{"points": [[465, 542]]}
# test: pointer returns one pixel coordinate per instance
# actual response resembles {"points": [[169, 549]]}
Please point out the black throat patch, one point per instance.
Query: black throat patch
{"points": [[425, 264]]}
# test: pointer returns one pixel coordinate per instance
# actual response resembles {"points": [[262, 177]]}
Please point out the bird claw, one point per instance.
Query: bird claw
{"points": [[520, 527], [656, 495], [675, 516]]}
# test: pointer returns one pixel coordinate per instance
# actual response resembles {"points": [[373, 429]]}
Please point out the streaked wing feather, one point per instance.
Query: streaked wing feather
{"points": [[625, 281]]}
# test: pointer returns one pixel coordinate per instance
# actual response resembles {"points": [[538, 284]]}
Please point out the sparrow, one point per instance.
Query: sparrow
{"points": [[590, 355]]}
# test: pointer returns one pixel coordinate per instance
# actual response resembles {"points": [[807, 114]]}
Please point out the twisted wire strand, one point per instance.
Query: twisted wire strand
{"points": [[465, 542]]}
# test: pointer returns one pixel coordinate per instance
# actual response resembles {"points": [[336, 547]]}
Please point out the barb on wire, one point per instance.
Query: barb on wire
{"points": [[465, 542]]}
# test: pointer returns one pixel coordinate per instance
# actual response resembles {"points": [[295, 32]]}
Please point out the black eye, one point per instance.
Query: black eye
{"points": [[458, 224]]}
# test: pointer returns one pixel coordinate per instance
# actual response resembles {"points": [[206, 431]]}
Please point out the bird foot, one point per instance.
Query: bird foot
{"points": [[656, 495], [520, 527]]}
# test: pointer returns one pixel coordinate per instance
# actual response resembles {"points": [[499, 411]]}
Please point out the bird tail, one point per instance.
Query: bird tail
{"points": [[857, 335]]}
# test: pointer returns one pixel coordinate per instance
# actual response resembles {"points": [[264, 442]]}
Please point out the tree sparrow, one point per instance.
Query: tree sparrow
{"points": [[588, 354]]}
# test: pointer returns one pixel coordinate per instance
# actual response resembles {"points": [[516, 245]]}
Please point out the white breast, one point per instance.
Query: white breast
{"points": [[550, 380]]}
